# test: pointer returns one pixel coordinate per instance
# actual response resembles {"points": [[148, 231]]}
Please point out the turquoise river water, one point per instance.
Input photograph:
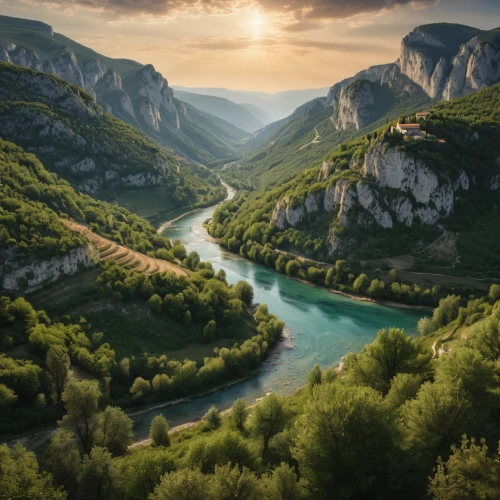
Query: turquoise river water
{"points": [[321, 327]]}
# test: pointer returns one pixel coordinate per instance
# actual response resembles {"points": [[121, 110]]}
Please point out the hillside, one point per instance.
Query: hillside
{"points": [[135, 93], [91, 149], [438, 61], [386, 195], [236, 114]]}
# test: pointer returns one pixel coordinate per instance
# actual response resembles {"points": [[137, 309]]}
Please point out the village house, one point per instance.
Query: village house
{"points": [[423, 115], [409, 129]]}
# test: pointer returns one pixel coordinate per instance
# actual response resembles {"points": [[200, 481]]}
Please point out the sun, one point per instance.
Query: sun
{"points": [[257, 23]]}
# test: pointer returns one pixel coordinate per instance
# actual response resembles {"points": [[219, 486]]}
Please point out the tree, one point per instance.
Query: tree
{"points": [[235, 482], [244, 292], [494, 293], [81, 401], [8, 397], [158, 432], [393, 275], [426, 326], [192, 260], [113, 430], [469, 473], [155, 303], [239, 414], [447, 311], [100, 477], [391, 353], [485, 336], [143, 470], [57, 364], [210, 331], [282, 484], [185, 484], [212, 418], [293, 267], [20, 477], [269, 418], [346, 439], [62, 460], [404, 386], [360, 283], [314, 377], [140, 388]]}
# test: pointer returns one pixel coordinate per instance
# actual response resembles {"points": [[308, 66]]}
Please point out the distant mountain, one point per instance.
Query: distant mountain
{"points": [[277, 105], [438, 61], [224, 109], [133, 92]]}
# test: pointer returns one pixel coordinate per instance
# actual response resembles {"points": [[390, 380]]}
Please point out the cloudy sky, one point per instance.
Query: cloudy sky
{"points": [[264, 45]]}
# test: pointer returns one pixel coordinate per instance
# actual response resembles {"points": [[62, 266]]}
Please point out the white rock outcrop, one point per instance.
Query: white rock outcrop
{"points": [[24, 272]]}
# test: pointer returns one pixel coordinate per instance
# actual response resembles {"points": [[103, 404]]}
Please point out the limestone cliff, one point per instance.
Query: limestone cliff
{"points": [[70, 132], [20, 271], [440, 61], [392, 187]]}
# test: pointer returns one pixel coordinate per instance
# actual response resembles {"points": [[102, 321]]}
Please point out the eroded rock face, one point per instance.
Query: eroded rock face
{"points": [[24, 272], [355, 107], [368, 199]]}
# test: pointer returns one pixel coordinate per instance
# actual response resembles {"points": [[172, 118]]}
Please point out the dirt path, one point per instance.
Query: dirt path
{"points": [[124, 256], [316, 140]]}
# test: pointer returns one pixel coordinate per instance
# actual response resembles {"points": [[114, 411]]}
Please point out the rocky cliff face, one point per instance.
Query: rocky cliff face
{"points": [[440, 61], [58, 123], [23, 272], [392, 188], [355, 107], [146, 90]]}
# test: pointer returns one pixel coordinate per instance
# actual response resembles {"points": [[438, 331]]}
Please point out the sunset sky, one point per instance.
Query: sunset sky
{"points": [[259, 45]]}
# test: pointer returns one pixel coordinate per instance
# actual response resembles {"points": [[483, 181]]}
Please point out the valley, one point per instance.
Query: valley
{"points": [[209, 293]]}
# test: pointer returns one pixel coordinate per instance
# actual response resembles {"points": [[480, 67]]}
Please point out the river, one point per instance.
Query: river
{"points": [[321, 327]]}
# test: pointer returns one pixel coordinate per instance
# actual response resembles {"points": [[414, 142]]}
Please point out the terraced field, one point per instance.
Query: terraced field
{"points": [[109, 250]]}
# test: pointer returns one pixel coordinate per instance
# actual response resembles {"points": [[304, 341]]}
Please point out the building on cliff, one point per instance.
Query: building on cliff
{"points": [[409, 129], [423, 115]]}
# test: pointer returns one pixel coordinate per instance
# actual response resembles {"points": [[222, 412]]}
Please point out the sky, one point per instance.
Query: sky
{"points": [[255, 45]]}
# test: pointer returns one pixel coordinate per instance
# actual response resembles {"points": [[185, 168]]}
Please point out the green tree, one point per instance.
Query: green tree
{"points": [[20, 477], [100, 477], [469, 473], [8, 397], [314, 377], [360, 283], [155, 303], [494, 293], [447, 311], [82, 403], [57, 364], [62, 460], [235, 483], [239, 414], [158, 431], [192, 260], [346, 440], [113, 430], [391, 353], [404, 386], [143, 469], [269, 417], [212, 418], [244, 292], [426, 326], [282, 484], [185, 484], [293, 267], [210, 331]]}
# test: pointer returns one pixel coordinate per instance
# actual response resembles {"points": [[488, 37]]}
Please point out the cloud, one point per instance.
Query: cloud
{"points": [[303, 11], [270, 42]]}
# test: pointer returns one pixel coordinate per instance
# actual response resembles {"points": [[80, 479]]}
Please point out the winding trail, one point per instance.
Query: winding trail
{"points": [[124, 256], [316, 140]]}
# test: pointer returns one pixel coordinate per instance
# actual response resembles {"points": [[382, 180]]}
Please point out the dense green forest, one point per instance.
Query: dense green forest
{"points": [[470, 127], [398, 420]]}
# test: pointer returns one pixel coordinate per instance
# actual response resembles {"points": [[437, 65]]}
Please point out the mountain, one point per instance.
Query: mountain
{"points": [[236, 114], [438, 61], [388, 194], [133, 92], [88, 147], [277, 106]]}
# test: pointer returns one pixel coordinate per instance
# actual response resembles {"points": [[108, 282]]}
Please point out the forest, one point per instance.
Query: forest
{"points": [[395, 420]]}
